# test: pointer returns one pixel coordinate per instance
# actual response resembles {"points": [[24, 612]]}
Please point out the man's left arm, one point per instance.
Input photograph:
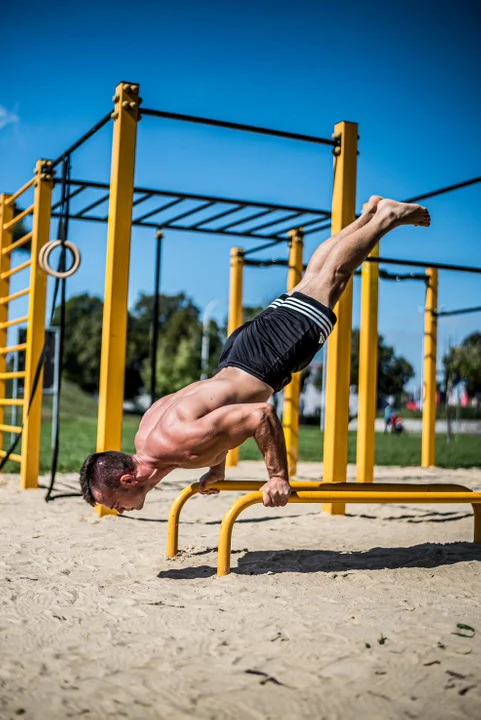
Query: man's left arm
{"points": [[233, 424]]}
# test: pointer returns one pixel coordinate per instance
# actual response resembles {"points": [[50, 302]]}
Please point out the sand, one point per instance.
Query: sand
{"points": [[322, 617]]}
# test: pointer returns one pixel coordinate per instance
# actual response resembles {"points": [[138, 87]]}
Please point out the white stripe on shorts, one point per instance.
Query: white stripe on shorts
{"points": [[312, 312]]}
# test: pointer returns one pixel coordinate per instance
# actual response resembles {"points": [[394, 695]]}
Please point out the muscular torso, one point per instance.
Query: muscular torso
{"points": [[170, 434]]}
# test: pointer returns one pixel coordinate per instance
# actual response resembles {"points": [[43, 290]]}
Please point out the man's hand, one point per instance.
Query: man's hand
{"points": [[276, 492], [213, 475]]}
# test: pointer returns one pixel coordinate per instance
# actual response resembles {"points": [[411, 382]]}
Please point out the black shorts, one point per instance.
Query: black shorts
{"points": [[281, 340]]}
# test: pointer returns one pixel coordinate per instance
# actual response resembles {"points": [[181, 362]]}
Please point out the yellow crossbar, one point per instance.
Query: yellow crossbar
{"points": [[18, 243], [11, 323], [11, 401], [16, 269], [11, 198], [18, 218], [16, 458], [12, 375], [10, 428], [13, 348], [14, 296]]}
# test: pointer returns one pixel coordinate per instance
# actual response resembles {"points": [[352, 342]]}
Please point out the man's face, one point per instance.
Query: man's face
{"points": [[128, 496]]}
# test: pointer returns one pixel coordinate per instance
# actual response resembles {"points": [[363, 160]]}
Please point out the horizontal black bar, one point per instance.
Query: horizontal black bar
{"points": [[159, 209], [276, 222], [262, 247], [246, 219], [91, 206], [83, 139], [385, 275], [190, 196], [217, 217], [424, 264], [266, 263], [72, 195], [238, 126], [447, 189], [462, 311], [186, 214]]}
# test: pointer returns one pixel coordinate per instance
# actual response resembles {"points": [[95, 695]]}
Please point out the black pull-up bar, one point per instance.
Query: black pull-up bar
{"points": [[238, 126], [462, 311], [425, 264]]}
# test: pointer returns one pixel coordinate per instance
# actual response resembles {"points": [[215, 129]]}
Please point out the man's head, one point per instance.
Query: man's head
{"points": [[111, 479]]}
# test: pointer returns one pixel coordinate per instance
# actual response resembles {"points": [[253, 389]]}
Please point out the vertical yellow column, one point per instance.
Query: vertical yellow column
{"points": [[339, 344], [235, 316], [114, 327], [36, 327], [367, 385], [428, 446], [290, 415], [6, 214]]}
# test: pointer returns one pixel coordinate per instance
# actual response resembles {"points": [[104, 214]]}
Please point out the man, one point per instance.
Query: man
{"points": [[197, 426]]}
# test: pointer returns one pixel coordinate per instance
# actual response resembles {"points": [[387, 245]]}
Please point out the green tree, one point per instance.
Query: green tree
{"points": [[394, 371], [463, 364]]}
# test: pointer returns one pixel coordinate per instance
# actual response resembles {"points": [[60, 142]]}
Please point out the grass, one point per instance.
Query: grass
{"points": [[78, 429]]}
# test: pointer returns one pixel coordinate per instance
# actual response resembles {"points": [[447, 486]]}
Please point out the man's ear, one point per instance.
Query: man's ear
{"points": [[127, 480]]}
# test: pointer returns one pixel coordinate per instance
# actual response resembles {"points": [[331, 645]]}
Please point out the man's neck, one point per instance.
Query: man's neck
{"points": [[150, 473]]}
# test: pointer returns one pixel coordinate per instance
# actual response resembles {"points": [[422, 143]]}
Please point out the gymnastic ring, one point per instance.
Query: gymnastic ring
{"points": [[44, 255]]}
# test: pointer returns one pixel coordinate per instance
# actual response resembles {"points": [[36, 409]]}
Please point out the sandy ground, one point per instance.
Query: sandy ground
{"points": [[322, 617]]}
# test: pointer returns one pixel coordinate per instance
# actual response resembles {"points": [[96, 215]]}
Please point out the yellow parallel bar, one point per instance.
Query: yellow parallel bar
{"points": [[14, 296], [11, 323], [13, 348], [367, 383], [11, 375], [10, 428], [114, 328], [11, 198], [401, 493], [18, 218], [339, 344], [8, 273], [428, 441], [235, 316], [16, 458], [11, 401], [6, 214], [36, 328], [290, 415], [19, 243]]}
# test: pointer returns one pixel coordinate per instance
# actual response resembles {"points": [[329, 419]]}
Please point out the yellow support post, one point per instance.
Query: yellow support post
{"points": [[339, 344], [290, 415], [6, 214], [428, 445], [114, 327], [367, 384], [235, 316], [36, 327]]}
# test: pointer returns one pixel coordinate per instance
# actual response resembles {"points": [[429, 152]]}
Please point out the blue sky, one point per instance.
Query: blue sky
{"points": [[408, 74]]}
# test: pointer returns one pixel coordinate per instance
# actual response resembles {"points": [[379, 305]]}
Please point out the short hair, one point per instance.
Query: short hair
{"points": [[103, 469]]}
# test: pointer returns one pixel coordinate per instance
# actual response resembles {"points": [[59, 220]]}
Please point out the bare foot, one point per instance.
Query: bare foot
{"points": [[371, 206], [400, 213]]}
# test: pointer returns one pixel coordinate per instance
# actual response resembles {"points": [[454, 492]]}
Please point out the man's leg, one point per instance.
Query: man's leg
{"points": [[326, 278]]}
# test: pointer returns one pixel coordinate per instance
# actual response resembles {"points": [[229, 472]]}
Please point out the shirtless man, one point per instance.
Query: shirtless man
{"points": [[197, 426]]}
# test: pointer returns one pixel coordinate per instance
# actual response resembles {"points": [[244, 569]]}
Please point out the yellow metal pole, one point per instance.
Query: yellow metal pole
{"points": [[339, 344], [235, 316], [428, 446], [290, 415], [114, 327], [6, 214], [36, 327], [367, 384]]}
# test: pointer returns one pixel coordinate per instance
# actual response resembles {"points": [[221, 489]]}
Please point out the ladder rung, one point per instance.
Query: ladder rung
{"points": [[12, 375], [14, 296], [11, 323], [10, 429], [12, 198], [14, 270], [12, 401], [13, 348], [18, 218], [13, 456], [18, 243]]}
